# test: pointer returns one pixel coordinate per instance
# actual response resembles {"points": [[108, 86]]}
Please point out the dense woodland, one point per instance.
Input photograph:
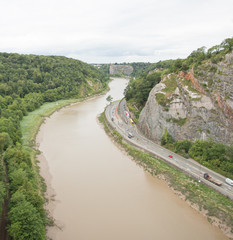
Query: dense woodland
{"points": [[26, 82]]}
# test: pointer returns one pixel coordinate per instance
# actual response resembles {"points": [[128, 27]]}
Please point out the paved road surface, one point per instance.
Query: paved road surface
{"points": [[116, 114]]}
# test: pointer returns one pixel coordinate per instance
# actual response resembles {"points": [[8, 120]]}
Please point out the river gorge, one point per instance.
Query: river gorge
{"points": [[96, 191]]}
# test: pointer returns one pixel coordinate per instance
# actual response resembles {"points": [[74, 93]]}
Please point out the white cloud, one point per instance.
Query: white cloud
{"points": [[114, 31]]}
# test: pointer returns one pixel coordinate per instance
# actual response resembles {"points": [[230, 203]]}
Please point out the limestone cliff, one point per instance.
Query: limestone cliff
{"points": [[120, 69], [193, 105]]}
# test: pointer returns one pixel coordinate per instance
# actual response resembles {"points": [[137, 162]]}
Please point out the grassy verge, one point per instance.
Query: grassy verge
{"points": [[31, 123], [215, 206]]}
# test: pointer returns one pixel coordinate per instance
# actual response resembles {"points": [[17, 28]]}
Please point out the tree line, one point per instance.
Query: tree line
{"points": [[27, 82]]}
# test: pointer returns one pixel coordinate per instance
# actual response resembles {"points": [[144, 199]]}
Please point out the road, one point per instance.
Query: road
{"points": [[116, 114]]}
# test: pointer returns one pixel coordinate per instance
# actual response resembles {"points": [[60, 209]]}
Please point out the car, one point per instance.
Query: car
{"points": [[130, 135], [229, 181], [170, 156]]}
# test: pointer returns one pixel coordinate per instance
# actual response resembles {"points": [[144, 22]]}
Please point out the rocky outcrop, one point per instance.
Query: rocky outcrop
{"points": [[195, 105], [120, 69]]}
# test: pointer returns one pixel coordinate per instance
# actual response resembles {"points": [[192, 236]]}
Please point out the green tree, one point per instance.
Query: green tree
{"points": [[5, 141], [198, 55], [227, 44], [26, 222], [17, 198], [109, 98], [183, 146], [17, 179], [16, 155], [33, 101], [177, 65], [10, 126], [166, 138]]}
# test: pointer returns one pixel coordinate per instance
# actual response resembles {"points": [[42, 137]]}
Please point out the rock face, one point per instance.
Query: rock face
{"points": [[120, 69], [193, 105]]}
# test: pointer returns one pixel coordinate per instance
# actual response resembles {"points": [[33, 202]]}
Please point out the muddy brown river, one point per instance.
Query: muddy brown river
{"points": [[99, 192]]}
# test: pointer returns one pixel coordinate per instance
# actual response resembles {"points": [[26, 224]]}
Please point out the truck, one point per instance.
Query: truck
{"points": [[209, 178]]}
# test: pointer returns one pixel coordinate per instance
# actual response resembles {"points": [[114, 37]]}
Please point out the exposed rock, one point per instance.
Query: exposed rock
{"points": [[120, 69], [195, 105]]}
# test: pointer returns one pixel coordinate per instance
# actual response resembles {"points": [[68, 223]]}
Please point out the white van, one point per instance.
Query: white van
{"points": [[229, 181]]}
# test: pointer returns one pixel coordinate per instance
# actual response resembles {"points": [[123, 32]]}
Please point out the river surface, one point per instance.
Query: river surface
{"points": [[100, 193]]}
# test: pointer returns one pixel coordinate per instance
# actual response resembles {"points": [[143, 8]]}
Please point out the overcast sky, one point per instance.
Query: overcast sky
{"points": [[107, 31]]}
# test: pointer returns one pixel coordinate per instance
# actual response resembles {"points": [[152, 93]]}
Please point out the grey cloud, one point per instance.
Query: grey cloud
{"points": [[105, 30]]}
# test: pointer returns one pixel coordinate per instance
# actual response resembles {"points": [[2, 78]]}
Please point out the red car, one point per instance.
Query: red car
{"points": [[170, 156]]}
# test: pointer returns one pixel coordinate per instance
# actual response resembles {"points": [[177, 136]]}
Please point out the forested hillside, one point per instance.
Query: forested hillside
{"points": [[26, 82]]}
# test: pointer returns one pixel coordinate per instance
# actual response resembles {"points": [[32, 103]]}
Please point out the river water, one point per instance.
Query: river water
{"points": [[99, 192]]}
